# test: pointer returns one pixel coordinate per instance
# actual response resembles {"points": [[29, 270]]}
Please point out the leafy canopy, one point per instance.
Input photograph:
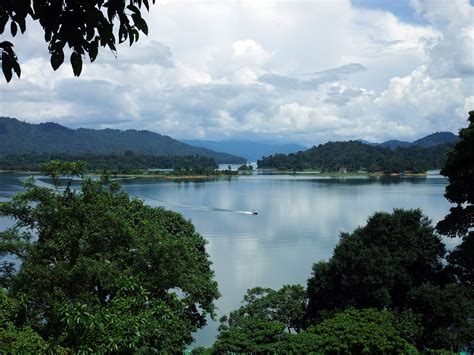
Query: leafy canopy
{"points": [[100, 270], [349, 332], [376, 265], [459, 222], [83, 26]]}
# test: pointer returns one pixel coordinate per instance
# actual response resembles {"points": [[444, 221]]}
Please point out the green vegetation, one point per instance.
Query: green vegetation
{"points": [[120, 164], [53, 139], [353, 156], [245, 169], [99, 272], [459, 222], [82, 26]]}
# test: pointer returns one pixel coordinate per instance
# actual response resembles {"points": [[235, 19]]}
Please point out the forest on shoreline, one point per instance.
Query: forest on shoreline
{"points": [[354, 156]]}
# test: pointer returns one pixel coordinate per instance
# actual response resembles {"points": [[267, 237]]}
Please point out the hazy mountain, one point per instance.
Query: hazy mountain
{"points": [[250, 150], [427, 141], [436, 138], [18, 137], [393, 143]]}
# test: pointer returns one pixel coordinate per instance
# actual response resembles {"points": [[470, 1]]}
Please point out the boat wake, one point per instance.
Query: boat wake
{"points": [[196, 207]]}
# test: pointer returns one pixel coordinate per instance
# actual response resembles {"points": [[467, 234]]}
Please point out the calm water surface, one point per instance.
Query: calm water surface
{"points": [[298, 222]]}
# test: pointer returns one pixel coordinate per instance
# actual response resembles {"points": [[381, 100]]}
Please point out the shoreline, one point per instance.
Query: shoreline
{"points": [[225, 176]]}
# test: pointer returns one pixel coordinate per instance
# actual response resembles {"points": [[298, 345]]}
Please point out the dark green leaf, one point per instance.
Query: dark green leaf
{"points": [[122, 34], [16, 67], [6, 44], [93, 50], [6, 67], [76, 62], [57, 58], [134, 9], [22, 24], [13, 28], [131, 36], [3, 22]]}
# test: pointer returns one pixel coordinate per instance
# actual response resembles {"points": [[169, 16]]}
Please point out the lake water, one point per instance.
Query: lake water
{"points": [[298, 222]]}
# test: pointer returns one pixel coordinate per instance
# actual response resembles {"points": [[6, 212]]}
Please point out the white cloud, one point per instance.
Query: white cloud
{"points": [[249, 51], [452, 53], [293, 70]]}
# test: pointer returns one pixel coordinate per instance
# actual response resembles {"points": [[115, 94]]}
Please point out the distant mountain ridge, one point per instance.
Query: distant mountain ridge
{"points": [[430, 140], [18, 137], [251, 150]]}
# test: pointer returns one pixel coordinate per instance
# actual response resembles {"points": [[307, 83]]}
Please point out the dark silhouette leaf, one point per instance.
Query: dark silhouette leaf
{"points": [[6, 67], [3, 22], [13, 28], [57, 58], [76, 62]]}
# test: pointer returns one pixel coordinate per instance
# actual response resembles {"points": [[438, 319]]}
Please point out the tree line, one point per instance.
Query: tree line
{"points": [[128, 162], [353, 156]]}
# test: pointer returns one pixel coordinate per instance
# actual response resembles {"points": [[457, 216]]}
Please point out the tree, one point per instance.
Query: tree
{"points": [[441, 307], [286, 306], [378, 264], [459, 168], [349, 332], [259, 324], [366, 331], [82, 25], [102, 271]]}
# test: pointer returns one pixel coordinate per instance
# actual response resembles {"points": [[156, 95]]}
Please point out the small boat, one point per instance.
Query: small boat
{"points": [[254, 212]]}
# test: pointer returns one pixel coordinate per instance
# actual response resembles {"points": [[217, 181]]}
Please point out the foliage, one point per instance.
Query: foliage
{"points": [[365, 331], [250, 334], [53, 139], [286, 306], [115, 163], [83, 26], [352, 331], [378, 264], [132, 321], [245, 169], [354, 156], [90, 256], [459, 222], [442, 307], [21, 339]]}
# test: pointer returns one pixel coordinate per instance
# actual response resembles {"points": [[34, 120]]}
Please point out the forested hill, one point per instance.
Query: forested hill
{"points": [[354, 156], [18, 137], [430, 140]]}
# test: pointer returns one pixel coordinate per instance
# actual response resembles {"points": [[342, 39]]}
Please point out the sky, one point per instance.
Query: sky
{"points": [[296, 71]]}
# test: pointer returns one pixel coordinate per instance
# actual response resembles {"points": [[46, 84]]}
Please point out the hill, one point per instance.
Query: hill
{"points": [[18, 137], [435, 139], [392, 144], [427, 141], [354, 156], [250, 150]]}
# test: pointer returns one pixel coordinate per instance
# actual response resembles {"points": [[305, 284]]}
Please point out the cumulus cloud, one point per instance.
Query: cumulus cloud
{"points": [[296, 71], [452, 53]]}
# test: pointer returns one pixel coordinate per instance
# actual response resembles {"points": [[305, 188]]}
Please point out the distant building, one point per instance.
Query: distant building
{"points": [[343, 170]]}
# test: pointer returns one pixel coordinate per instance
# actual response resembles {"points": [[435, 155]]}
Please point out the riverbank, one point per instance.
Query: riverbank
{"points": [[171, 176]]}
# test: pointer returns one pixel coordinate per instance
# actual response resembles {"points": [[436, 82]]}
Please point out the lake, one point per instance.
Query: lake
{"points": [[298, 222]]}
